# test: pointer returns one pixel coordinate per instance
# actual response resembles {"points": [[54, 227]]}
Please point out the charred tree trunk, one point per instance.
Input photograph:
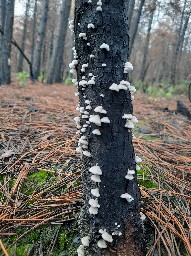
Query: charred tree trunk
{"points": [[111, 213], [20, 63], [33, 30], [136, 24], [146, 46], [6, 45], [40, 39], [55, 74], [2, 24]]}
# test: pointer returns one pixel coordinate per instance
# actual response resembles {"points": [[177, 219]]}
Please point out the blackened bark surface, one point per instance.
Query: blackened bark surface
{"points": [[113, 150], [6, 45], [40, 39], [56, 67]]}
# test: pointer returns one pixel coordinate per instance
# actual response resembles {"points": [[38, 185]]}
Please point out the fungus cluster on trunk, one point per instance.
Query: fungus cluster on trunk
{"points": [[90, 124]]}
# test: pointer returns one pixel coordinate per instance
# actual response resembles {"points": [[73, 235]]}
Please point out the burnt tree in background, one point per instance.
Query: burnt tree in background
{"points": [[6, 42], [55, 74], [110, 221], [40, 38]]}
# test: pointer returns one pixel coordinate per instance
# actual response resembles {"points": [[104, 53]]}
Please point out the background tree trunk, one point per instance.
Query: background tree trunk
{"points": [[178, 48], [40, 39], [146, 46], [6, 46], [2, 24], [33, 30], [113, 150], [130, 11], [20, 63], [136, 24], [55, 74]]}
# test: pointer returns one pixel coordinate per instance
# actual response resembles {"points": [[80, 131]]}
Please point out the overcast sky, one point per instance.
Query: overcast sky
{"points": [[18, 8]]}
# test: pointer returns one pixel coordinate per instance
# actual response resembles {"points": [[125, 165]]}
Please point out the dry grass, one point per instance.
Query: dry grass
{"points": [[38, 137]]}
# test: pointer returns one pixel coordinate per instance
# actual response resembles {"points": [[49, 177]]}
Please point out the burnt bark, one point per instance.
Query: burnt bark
{"points": [[6, 42], [40, 39], [113, 149], [24, 35], [55, 74]]}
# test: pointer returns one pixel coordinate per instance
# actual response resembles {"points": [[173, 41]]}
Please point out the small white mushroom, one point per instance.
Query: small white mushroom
{"points": [[107, 237], [94, 203], [93, 210], [129, 177], [96, 178], [95, 192], [81, 251], [90, 25], [128, 197], [104, 46], [95, 170], [129, 124], [127, 116], [100, 109], [102, 244], [86, 153], [138, 159], [99, 8], [114, 87], [128, 67], [105, 120], [85, 240], [95, 119], [142, 216], [96, 132]]}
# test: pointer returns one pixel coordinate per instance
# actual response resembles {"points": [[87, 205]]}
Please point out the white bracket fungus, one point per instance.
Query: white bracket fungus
{"points": [[129, 124], [93, 210], [83, 35], [95, 119], [142, 216], [96, 132], [128, 197], [138, 160], [99, 8], [95, 192], [95, 170], [102, 244], [84, 66], [90, 25], [92, 56], [86, 153], [80, 250], [96, 178], [105, 120], [106, 236], [85, 240], [100, 109], [105, 46], [114, 87], [94, 203], [128, 67]]}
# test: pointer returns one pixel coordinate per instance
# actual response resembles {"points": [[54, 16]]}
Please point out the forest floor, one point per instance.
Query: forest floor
{"points": [[40, 170]]}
